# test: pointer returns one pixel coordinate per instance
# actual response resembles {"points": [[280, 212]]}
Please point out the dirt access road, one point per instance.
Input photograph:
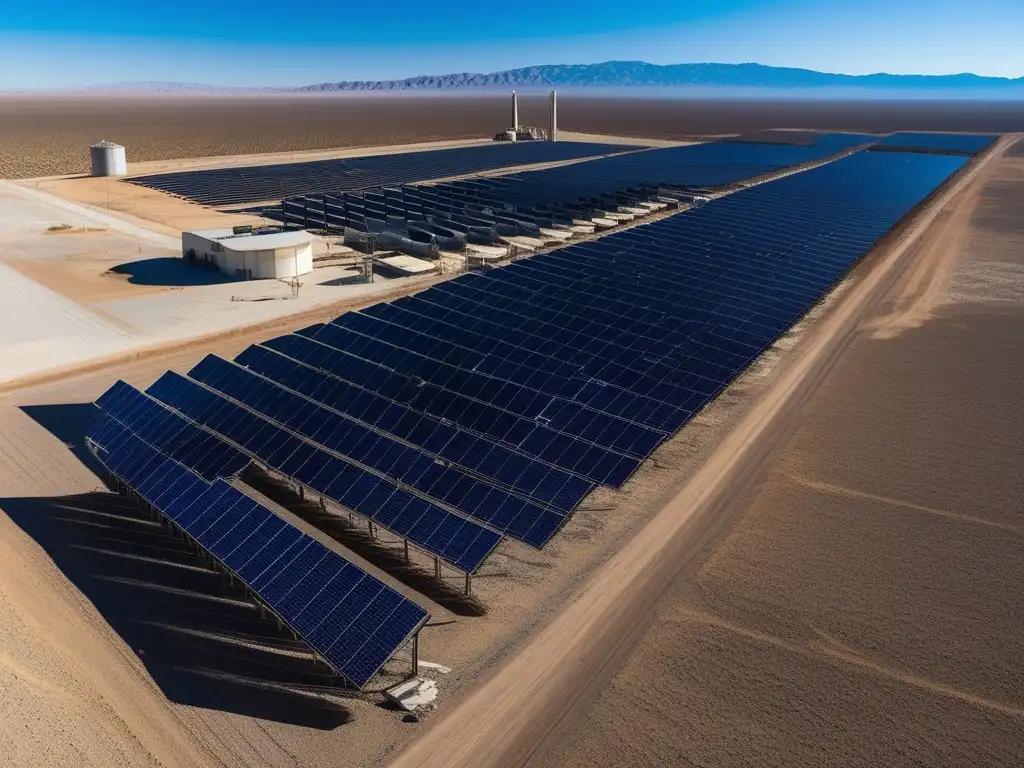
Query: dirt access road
{"points": [[509, 720]]}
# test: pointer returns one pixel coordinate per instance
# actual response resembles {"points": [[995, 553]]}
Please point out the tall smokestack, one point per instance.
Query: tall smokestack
{"points": [[553, 128], [515, 112]]}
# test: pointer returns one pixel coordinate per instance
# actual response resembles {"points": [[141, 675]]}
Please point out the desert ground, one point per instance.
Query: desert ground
{"points": [[48, 135], [819, 569]]}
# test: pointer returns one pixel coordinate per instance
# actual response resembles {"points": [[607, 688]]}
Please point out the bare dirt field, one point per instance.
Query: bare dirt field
{"points": [[864, 607], [46, 135]]}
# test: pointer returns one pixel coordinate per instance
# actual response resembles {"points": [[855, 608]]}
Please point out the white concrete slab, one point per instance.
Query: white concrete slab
{"points": [[408, 265], [555, 235], [40, 329], [413, 694]]}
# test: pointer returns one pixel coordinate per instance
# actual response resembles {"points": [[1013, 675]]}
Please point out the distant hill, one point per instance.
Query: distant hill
{"points": [[638, 74], [614, 74]]}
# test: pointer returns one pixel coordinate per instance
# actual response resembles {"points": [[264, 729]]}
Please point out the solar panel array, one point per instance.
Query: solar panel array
{"points": [[251, 184], [952, 143], [351, 619], [481, 210], [493, 403], [382, 499]]}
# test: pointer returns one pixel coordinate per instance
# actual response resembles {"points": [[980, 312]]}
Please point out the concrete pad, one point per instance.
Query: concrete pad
{"points": [[555, 235], [603, 223], [488, 251], [582, 229], [525, 243], [408, 265], [412, 694]]}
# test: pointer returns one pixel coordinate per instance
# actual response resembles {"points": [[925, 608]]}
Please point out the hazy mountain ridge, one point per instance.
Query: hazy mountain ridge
{"points": [[630, 74], [642, 74]]}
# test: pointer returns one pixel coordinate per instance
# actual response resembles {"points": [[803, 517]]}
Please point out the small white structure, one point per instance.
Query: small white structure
{"points": [[251, 255], [108, 159]]}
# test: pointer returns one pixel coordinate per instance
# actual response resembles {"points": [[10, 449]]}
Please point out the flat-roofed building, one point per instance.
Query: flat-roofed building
{"points": [[273, 253]]}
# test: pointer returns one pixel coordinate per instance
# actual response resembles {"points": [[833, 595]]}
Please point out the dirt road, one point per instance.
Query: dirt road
{"points": [[508, 720]]}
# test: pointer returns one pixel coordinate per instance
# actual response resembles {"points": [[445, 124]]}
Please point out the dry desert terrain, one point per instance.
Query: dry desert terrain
{"points": [[48, 135]]}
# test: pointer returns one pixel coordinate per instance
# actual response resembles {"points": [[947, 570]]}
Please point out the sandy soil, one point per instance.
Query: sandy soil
{"points": [[864, 608], [150, 208], [47, 135]]}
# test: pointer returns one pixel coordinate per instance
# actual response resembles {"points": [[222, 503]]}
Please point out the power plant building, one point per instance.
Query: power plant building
{"points": [[276, 254]]}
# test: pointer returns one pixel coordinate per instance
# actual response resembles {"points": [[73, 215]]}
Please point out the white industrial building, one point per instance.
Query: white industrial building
{"points": [[251, 255]]}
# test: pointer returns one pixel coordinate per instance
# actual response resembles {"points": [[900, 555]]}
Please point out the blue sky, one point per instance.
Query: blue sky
{"points": [[68, 43]]}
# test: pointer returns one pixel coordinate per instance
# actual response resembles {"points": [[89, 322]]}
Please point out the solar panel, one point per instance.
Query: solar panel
{"points": [[173, 435], [251, 184], [506, 468], [954, 143], [452, 537], [508, 429], [351, 619], [583, 359], [374, 450]]}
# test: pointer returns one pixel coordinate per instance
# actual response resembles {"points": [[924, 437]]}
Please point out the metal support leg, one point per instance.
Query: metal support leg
{"points": [[416, 654], [406, 542], [302, 492], [437, 567], [469, 583], [369, 524]]}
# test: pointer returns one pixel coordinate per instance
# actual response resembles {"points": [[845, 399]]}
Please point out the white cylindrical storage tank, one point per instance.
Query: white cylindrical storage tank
{"points": [[108, 159]]}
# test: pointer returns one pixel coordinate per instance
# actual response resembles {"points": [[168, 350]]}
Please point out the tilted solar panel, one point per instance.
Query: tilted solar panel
{"points": [[958, 143], [527, 435], [166, 430], [505, 467], [353, 620], [455, 539], [252, 184], [498, 508]]}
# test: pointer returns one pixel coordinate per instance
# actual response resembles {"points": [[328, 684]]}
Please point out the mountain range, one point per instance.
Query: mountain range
{"points": [[638, 74], [618, 74]]}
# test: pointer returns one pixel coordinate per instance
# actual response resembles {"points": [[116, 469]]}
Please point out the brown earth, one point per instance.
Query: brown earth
{"points": [[44, 135]]}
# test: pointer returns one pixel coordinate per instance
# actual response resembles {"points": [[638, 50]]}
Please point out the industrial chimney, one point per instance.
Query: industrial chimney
{"points": [[553, 128], [515, 112]]}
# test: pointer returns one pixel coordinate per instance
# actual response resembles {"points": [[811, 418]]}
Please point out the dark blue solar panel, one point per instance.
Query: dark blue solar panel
{"points": [[517, 517], [354, 621], [271, 182], [508, 429], [392, 507], [197, 449], [956, 143], [505, 467]]}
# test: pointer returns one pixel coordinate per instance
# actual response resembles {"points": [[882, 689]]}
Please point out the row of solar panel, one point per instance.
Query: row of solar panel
{"points": [[456, 539], [580, 361], [755, 282], [252, 184], [353, 620], [521, 203], [958, 143]]}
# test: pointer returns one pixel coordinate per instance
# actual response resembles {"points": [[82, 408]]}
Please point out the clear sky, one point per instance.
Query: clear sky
{"points": [[69, 43]]}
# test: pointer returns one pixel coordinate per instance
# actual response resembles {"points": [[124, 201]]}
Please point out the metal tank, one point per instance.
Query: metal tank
{"points": [[108, 159]]}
